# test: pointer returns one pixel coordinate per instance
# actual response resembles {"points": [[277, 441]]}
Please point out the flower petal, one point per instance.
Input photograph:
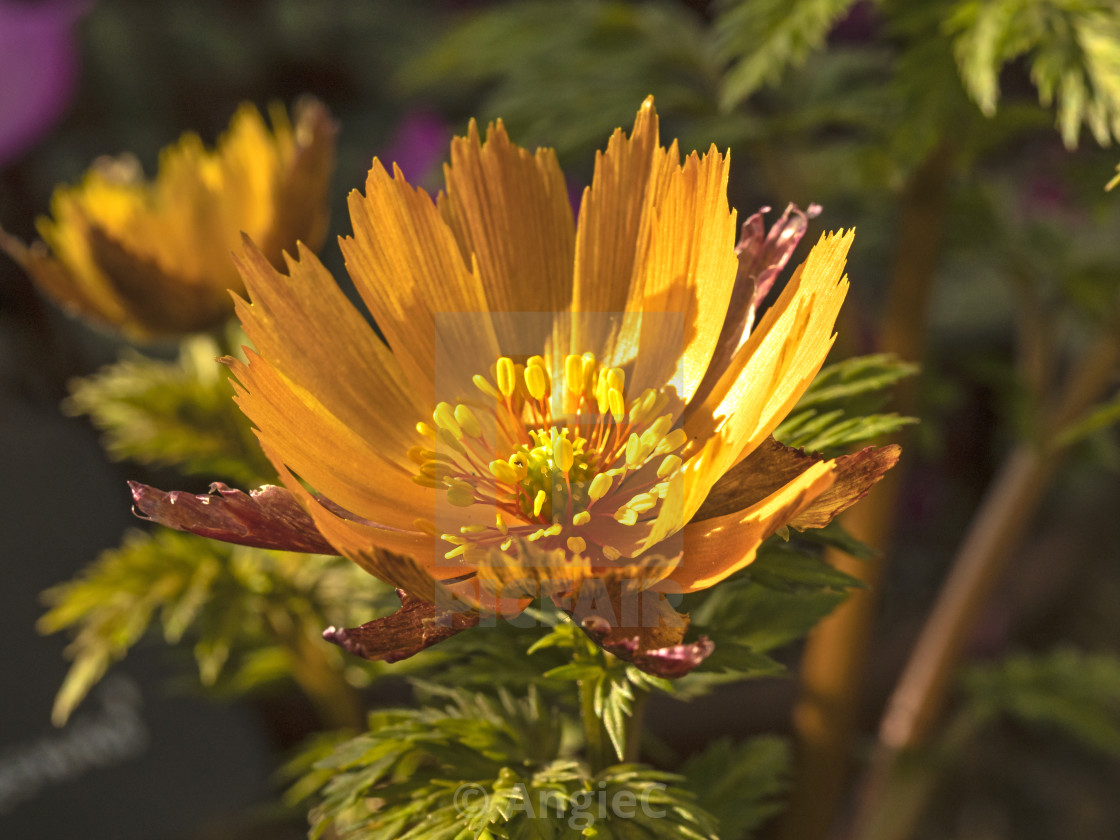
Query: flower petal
{"points": [[718, 547], [767, 376], [636, 625], [772, 465], [510, 211], [685, 276], [613, 230], [427, 300], [417, 625], [761, 255], [268, 517], [309, 332]]}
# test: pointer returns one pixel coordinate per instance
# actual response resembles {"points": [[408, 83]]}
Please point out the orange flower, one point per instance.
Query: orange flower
{"points": [[554, 408], [153, 259]]}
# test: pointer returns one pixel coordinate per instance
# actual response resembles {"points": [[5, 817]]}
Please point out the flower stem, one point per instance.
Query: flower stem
{"points": [[596, 742], [996, 530], [833, 665]]}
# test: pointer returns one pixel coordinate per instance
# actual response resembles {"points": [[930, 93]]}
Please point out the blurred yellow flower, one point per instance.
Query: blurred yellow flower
{"points": [[580, 411], [153, 258]]}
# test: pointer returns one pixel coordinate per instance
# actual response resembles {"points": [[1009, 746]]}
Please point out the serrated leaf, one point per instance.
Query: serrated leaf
{"points": [[216, 597], [1071, 50], [740, 783], [761, 39], [177, 414], [1075, 691]]}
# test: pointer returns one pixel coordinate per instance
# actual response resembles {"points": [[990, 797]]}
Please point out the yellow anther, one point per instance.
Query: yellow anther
{"points": [[538, 502], [506, 543], [507, 384], [616, 404], [553, 530], [600, 484], [536, 381], [601, 398], [455, 552], [418, 454], [472, 529], [589, 369], [427, 481], [460, 493], [520, 465], [576, 544], [502, 471], [616, 379], [500, 523], [562, 454], [444, 415], [536, 535], [426, 430], [640, 408], [642, 502], [425, 526], [573, 374], [581, 518], [536, 361], [626, 516], [674, 440], [454, 540], [436, 469], [611, 553], [483, 384], [670, 465], [467, 421], [633, 450]]}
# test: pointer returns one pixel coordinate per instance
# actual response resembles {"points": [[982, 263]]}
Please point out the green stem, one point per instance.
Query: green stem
{"points": [[595, 739]]}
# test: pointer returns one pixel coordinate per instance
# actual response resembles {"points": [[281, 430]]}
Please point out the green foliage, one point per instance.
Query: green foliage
{"points": [[482, 767], [740, 784], [760, 40], [609, 682], [241, 607], [177, 414], [1074, 691], [777, 599], [838, 409], [522, 54], [1074, 55]]}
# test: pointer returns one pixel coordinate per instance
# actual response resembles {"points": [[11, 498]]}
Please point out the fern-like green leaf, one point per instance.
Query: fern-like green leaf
{"points": [[740, 784], [177, 414], [1073, 48], [1075, 691], [760, 39], [222, 599]]}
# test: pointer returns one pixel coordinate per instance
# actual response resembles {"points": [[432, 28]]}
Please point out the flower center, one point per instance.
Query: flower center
{"points": [[565, 461]]}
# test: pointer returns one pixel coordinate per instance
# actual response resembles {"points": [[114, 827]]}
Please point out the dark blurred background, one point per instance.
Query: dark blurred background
{"points": [[80, 78]]}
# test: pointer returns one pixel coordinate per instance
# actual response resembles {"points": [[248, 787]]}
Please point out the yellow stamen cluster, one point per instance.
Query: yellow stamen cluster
{"points": [[573, 457]]}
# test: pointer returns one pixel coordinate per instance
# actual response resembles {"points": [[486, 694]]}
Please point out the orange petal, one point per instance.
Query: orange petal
{"points": [[769, 373], [308, 330], [613, 230], [772, 465], [411, 274], [509, 210], [300, 433], [686, 275], [718, 547]]}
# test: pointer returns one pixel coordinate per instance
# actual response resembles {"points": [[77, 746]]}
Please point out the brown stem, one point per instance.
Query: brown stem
{"points": [[835, 657], [996, 529]]}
